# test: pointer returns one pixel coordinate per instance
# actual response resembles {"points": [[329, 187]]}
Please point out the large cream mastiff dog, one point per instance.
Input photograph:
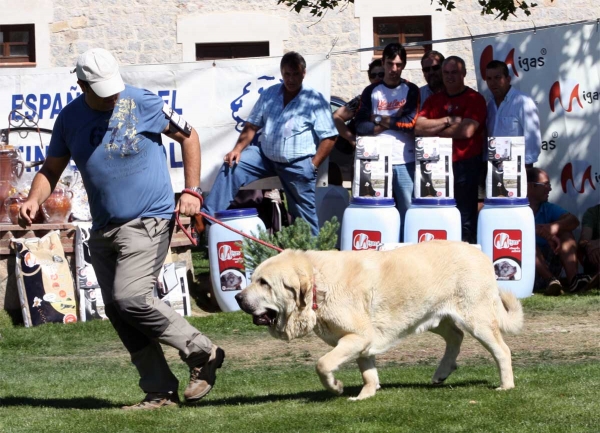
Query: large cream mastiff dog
{"points": [[363, 302]]}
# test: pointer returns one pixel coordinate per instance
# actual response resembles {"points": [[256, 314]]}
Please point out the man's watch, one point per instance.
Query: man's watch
{"points": [[378, 119], [196, 189]]}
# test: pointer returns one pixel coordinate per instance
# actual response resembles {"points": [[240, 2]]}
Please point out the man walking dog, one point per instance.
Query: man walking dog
{"points": [[113, 133]]}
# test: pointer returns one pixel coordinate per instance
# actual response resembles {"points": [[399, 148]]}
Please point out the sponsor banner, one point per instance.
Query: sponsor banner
{"points": [[214, 97], [560, 69], [366, 239]]}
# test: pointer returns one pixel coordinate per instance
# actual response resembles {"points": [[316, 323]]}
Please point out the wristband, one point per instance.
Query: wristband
{"points": [[196, 191]]}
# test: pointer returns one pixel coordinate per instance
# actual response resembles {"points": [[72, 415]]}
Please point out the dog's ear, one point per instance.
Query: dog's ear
{"points": [[305, 292]]}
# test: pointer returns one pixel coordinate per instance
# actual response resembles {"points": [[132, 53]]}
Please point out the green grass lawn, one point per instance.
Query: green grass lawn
{"points": [[74, 378]]}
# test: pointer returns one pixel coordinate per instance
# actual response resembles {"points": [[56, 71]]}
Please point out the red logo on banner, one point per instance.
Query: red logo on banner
{"points": [[230, 256], [555, 92], [365, 240], [429, 235], [567, 175], [504, 241], [487, 55]]}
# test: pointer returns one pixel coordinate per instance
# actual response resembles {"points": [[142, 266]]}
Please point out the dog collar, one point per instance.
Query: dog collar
{"points": [[314, 291]]}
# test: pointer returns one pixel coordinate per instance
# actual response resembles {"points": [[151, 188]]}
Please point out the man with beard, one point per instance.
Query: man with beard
{"points": [[431, 64]]}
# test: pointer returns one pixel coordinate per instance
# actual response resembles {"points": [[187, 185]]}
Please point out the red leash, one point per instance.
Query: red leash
{"points": [[216, 221]]}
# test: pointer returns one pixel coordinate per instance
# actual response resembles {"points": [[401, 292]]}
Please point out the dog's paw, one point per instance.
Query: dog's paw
{"points": [[366, 392], [338, 387]]}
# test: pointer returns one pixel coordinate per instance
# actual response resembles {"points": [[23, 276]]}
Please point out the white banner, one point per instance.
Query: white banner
{"points": [[214, 97], [560, 69]]}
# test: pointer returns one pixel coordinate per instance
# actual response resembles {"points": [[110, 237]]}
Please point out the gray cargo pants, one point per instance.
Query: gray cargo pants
{"points": [[127, 259]]}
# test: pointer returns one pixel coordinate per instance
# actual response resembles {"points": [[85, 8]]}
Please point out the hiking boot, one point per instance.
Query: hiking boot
{"points": [[202, 378], [554, 288], [579, 283], [155, 400]]}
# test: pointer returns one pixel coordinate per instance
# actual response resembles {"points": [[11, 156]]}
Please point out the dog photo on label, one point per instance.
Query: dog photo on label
{"points": [[504, 270], [363, 302], [230, 281]]}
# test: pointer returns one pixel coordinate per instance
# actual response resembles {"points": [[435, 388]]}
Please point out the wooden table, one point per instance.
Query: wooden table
{"points": [[9, 298]]}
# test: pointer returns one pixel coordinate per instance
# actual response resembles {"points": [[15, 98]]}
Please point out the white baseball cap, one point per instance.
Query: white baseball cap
{"points": [[100, 69]]}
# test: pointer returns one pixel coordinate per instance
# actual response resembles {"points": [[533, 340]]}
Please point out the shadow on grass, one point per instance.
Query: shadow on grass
{"points": [[308, 396], [59, 403], [323, 395]]}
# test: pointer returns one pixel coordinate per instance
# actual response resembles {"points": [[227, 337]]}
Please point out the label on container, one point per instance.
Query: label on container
{"points": [[507, 254], [429, 235], [365, 240], [231, 266]]}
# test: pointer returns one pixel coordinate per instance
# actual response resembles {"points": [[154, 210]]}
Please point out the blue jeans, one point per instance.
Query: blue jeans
{"points": [[298, 179], [403, 183], [466, 181]]}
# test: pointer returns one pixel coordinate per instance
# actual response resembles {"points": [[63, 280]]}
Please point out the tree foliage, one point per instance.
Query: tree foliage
{"points": [[297, 236], [501, 8]]}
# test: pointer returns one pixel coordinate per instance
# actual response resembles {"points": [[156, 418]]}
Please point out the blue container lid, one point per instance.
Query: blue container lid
{"points": [[506, 201], [236, 213], [372, 201], [434, 201]]}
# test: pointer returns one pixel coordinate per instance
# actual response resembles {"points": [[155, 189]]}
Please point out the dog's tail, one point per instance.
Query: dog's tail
{"points": [[510, 316]]}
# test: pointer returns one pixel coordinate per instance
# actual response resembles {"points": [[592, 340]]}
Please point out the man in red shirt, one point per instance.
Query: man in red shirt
{"points": [[458, 113]]}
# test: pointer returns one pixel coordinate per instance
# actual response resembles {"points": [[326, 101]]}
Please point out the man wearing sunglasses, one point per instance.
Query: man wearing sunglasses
{"points": [[431, 64], [348, 111], [555, 244]]}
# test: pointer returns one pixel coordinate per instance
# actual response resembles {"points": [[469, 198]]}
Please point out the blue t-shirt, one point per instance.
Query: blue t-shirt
{"points": [[546, 214], [120, 156]]}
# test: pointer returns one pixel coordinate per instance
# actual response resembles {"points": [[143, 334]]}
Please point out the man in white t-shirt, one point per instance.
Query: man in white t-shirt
{"points": [[390, 108]]}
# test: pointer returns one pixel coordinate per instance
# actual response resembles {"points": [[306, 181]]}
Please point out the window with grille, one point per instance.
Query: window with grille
{"points": [[17, 45], [231, 50], [402, 30]]}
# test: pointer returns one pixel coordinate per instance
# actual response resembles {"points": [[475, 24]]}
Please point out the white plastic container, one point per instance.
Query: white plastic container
{"points": [[227, 271], [432, 218], [506, 233], [369, 222]]}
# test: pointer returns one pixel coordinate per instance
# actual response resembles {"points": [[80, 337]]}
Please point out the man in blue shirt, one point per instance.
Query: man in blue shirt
{"points": [[113, 133], [555, 245], [512, 113], [297, 135]]}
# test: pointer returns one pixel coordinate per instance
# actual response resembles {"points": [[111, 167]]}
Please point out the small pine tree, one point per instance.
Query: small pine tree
{"points": [[297, 236]]}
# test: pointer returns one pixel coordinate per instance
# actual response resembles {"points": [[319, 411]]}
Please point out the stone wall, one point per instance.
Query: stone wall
{"points": [[144, 31]]}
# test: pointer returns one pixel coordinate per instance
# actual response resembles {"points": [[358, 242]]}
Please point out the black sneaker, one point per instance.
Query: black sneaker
{"points": [[579, 283]]}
